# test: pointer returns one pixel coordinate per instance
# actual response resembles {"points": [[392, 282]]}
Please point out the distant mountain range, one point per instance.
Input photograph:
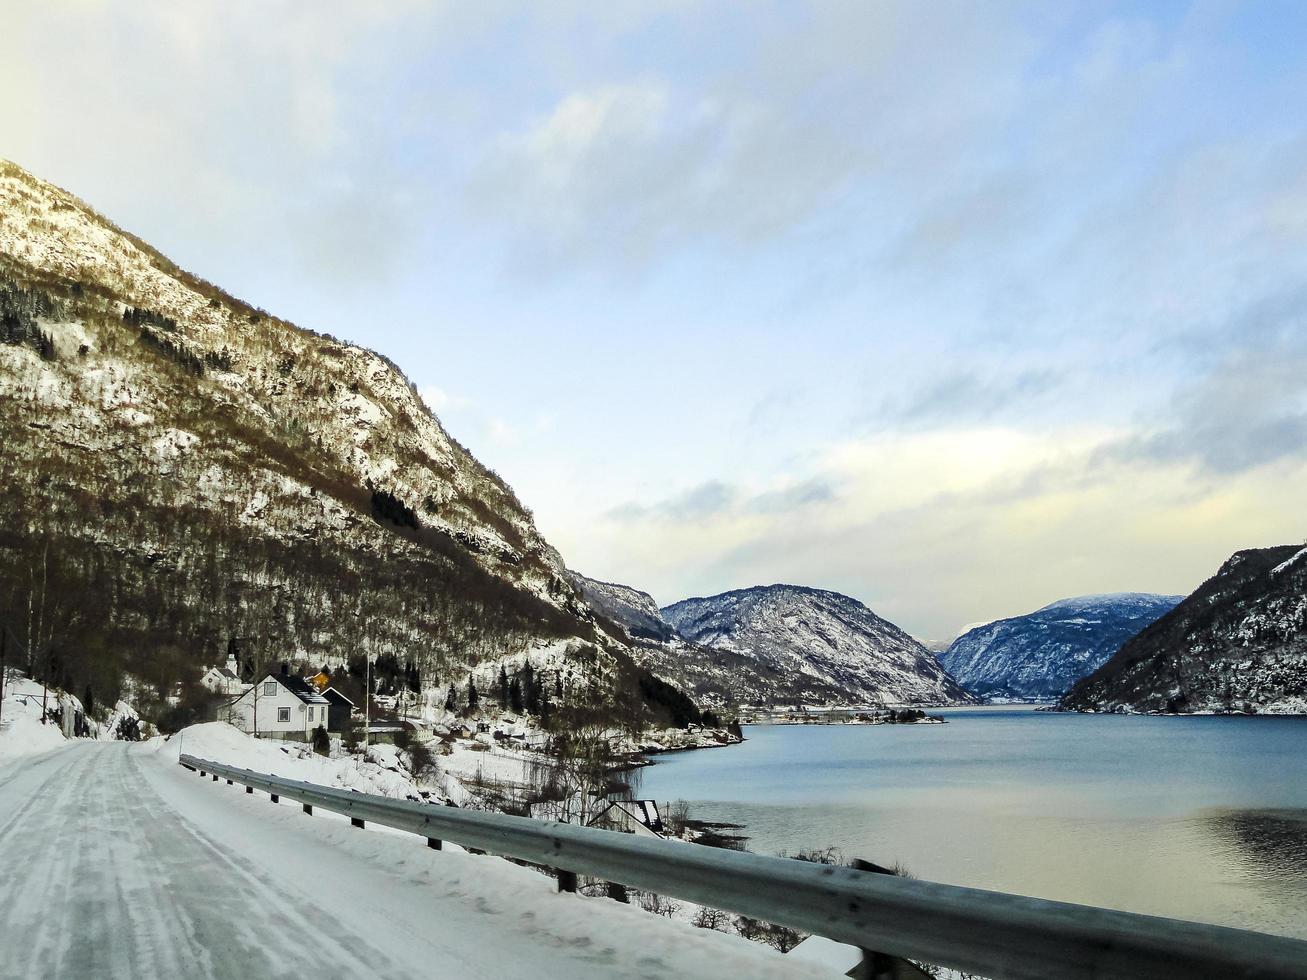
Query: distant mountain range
{"points": [[1238, 643], [716, 677], [817, 645], [775, 644], [1039, 655]]}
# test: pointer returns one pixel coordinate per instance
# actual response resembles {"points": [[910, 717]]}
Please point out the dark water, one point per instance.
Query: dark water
{"points": [[1197, 818]]}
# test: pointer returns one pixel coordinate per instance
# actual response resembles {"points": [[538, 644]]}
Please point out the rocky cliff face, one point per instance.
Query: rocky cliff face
{"points": [[634, 610], [817, 646], [1039, 655], [182, 471], [1239, 643]]}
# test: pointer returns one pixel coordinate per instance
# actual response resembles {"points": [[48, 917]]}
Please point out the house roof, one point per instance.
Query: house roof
{"points": [[644, 811], [302, 689], [227, 673], [331, 694]]}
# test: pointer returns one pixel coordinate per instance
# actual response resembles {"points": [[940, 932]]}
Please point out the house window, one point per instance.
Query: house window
{"points": [[270, 688], [283, 714], [310, 714]]}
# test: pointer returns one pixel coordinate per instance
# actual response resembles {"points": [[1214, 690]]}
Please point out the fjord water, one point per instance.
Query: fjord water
{"points": [[1201, 818]]}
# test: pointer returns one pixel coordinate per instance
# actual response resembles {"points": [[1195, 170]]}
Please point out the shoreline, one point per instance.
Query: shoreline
{"points": [[778, 723], [1055, 710], [908, 715], [643, 759]]}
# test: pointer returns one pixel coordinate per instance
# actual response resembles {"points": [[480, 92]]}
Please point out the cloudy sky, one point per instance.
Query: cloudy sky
{"points": [[957, 308]]}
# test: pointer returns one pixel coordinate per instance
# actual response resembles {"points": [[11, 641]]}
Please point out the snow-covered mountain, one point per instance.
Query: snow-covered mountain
{"points": [[817, 646], [183, 471], [715, 677], [1039, 655], [629, 607], [1238, 643]]}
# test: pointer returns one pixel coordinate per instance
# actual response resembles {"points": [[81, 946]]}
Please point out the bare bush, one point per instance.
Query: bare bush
{"points": [[421, 761], [819, 855], [658, 904], [675, 815], [714, 919], [748, 927], [781, 938]]}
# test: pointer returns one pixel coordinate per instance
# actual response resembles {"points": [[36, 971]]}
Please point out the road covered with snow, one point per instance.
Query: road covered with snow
{"points": [[118, 862]]}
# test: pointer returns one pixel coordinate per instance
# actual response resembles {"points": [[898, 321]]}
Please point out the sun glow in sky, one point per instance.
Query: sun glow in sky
{"points": [[959, 308]]}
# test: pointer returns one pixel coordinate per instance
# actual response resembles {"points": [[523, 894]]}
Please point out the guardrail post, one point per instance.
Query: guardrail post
{"points": [[215, 777], [881, 966], [356, 822], [566, 881], [308, 808], [433, 843], [617, 892], [229, 782], [275, 797], [249, 789]]}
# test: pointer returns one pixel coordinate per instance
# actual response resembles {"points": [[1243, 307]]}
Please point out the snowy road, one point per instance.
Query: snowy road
{"points": [[118, 863]]}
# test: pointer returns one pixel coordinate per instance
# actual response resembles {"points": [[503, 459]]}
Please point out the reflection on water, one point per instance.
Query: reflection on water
{"points": [[1197, 818], [1272, 843]]}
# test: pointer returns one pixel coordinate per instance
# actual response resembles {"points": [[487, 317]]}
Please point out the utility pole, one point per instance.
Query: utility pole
{"points": [[367, 699], [4, 635], [254, 688]]}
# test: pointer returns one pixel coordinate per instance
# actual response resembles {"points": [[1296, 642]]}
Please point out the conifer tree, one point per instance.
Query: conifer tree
{"points": [[546, 708], [515, 696], [472, 697], [503, 688], [530, 690]]}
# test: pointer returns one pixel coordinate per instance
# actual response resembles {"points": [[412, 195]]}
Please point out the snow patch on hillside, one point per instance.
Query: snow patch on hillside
{"points": [[1284, 565]]}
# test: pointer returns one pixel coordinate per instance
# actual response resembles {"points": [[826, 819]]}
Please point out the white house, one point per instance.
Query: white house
{"points": [[285, 706], [224, 680]]}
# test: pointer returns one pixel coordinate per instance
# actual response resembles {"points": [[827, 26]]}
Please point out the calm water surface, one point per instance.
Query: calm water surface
{"points": [[1197, 818]]}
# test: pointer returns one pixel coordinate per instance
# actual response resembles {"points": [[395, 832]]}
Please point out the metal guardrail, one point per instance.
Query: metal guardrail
{"points": [[992, 934]]}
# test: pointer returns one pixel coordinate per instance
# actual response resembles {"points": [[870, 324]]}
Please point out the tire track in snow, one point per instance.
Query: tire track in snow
{"points": [[104, 879]]}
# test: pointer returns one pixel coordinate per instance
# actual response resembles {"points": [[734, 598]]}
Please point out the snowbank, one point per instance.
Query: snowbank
{"points": [[820, 951], [24, 735], [21, 731], [381, 773]]}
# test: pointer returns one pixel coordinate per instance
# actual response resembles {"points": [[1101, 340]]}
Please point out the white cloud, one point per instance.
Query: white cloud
{"points": [[936, 529], [439, 400], [624, 171]]}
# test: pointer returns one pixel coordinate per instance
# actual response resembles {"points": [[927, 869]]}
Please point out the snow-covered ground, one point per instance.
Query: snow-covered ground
{"points": [[118, 862], [21, 731], [382, 771]]}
